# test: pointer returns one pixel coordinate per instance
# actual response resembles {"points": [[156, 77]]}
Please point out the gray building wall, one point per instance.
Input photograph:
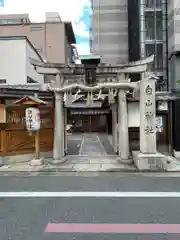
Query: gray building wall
{"points": [[173, 26], [174, 44], [174, 72], [109, 33]]}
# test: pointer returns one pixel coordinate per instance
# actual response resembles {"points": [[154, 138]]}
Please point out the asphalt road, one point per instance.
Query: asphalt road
{"points": [[27, 218]]}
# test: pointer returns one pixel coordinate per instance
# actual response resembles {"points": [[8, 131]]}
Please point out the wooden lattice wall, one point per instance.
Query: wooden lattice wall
{"points": [[14, 137]]}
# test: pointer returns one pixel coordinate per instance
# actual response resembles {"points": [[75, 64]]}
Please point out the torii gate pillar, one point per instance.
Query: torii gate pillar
{"points": [[59, 127]]}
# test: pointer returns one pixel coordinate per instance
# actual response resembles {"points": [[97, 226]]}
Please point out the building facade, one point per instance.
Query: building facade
{"points": [[53, 39], [173, 43], [131, 30], [109, 30], [15, 68], [153, 35], [174, 68]]}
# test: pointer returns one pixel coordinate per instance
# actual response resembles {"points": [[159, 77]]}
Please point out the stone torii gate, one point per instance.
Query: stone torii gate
{"points": [[113, 81]]}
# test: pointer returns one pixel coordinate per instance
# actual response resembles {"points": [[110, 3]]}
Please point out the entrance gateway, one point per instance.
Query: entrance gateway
{"points": [[102, 89]]}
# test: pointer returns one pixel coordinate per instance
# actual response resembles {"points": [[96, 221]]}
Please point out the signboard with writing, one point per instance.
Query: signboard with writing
{"points": [[33, 120], [147, 116], [159, 124], [149, 113]]}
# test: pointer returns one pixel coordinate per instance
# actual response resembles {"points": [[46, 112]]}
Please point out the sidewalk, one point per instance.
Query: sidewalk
{"points": [[74, 164], [90, 164]]}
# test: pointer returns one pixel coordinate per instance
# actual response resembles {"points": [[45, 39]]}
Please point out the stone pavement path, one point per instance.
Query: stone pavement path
{"points": [[89, 144]]}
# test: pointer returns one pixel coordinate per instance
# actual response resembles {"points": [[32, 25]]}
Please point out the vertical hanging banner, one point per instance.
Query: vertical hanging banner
{"points": [[1, 3]]}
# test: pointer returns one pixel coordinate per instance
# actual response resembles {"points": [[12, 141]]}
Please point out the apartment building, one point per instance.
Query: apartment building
{"points": [[53, 39]]}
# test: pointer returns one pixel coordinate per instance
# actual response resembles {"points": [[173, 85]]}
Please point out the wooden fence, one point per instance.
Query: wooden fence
{"points": [[14, 137]]}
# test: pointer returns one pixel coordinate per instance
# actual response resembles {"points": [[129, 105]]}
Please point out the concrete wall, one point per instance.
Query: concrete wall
{"points": [[173, 26], [30, 71], [14, 62], [174, 73], [110, 30]]}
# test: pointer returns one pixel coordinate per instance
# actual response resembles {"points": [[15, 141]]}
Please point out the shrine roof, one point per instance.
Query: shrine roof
{"points": [[18, 91], [32, 98]]}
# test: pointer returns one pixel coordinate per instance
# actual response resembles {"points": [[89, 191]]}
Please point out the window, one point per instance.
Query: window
{"points": [[36, 28], [158, 3], [153, 25], [159, 25], [3, 81], [149, 3], [157, 50], [161, 84], [150, 25], [159, 57], [150, 49], [11, 21]]}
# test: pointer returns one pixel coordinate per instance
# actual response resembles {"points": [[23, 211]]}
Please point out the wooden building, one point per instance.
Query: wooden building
{"points": [[15, 139]]}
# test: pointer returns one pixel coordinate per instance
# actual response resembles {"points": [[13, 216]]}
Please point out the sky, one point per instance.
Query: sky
{"points": [[76, 11]]}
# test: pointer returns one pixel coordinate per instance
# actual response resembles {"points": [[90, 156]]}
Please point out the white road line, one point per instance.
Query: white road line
{"points": [[91, 194]]}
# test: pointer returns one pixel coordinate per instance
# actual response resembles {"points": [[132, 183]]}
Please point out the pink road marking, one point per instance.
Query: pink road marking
{"points": [[112, 228]]}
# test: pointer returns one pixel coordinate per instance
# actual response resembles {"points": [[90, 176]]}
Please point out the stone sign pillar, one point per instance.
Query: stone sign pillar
{"points": [[147, 116]]}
